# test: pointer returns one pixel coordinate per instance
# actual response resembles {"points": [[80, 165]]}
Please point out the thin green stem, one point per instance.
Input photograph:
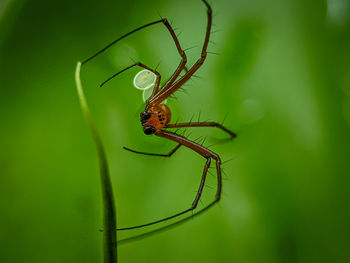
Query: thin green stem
{"points": [[108, 209]]}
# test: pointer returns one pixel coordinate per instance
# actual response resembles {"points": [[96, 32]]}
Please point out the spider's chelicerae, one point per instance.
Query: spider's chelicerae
{"points": [[155, 119]]}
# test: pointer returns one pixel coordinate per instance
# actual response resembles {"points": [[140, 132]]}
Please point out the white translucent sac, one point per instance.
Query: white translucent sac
{"points": [[145, 79], [146, 94]]}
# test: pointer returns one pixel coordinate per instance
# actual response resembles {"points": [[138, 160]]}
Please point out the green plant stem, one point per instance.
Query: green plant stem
{"points": [[108, 209]]}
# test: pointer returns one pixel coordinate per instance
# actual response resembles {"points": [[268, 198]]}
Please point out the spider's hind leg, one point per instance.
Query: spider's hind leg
{"points": [[208, 155]]}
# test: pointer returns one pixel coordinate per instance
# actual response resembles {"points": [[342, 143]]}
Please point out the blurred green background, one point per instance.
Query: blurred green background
{"points": [[282, 78]]}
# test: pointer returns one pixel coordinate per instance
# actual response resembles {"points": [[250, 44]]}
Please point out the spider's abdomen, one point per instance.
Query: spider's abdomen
{"points": [[159, 116]]}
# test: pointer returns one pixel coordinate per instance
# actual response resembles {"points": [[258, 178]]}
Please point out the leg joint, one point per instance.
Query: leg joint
{"points": [[183, 55], [217, 159]]}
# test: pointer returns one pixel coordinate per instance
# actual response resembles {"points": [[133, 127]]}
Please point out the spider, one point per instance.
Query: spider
{"points": [[155, 119]]}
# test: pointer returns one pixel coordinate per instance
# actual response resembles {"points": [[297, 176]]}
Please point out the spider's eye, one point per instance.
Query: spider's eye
{"points": [[149, 130], [145, 116]]}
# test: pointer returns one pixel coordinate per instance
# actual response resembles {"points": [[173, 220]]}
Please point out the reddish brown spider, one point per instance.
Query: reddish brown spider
{"points": [[156, 116]]}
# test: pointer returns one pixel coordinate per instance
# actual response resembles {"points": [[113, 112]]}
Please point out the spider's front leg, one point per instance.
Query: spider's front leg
{"points": [[171, 87], [158, 76]]}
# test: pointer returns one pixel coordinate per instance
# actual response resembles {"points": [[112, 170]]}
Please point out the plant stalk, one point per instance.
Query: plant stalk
{"points": [[108, 207]]}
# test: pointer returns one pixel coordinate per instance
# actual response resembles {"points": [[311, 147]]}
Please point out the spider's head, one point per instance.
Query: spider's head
{"points": [[144, 116], [154, 118], [148, 130]]}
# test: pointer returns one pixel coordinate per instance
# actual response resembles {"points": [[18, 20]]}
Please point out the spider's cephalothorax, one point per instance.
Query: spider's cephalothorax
{"points": [[155, 118]]}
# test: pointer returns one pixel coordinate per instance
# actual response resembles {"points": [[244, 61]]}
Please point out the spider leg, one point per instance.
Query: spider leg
{"points": [[184, 69], [167, 90], [183, 61], [164, 21], [174, 224], [173, 35], [155, 154], [207, 154], [164, 228], [202, 124], [133, 65]]}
